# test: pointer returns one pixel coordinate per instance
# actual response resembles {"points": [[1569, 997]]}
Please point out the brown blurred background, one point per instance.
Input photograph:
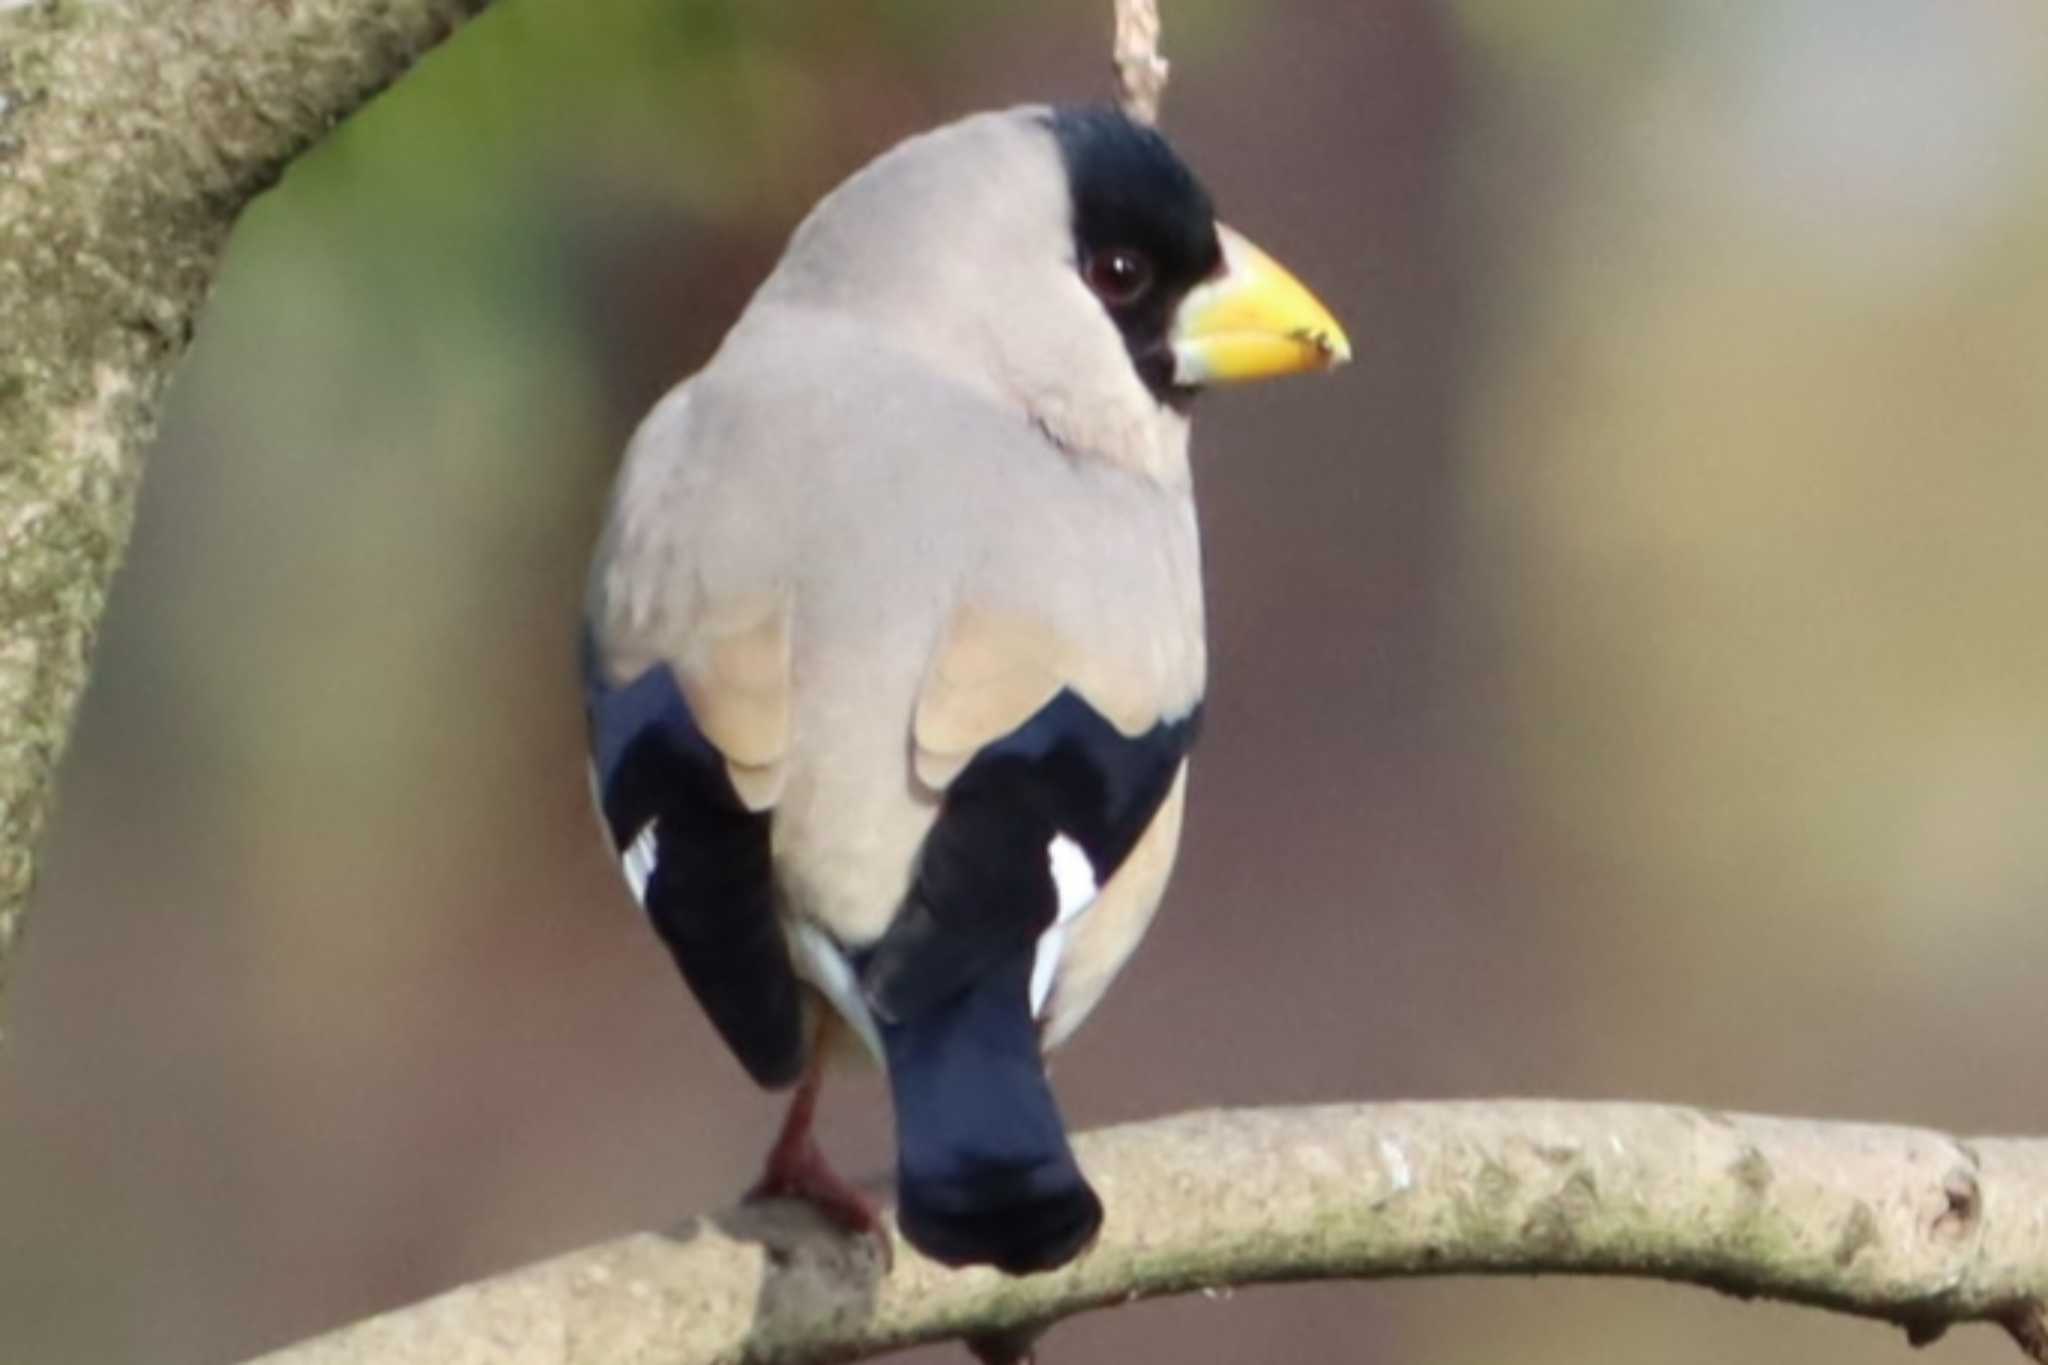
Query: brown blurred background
{"points": [[1631, 677]]}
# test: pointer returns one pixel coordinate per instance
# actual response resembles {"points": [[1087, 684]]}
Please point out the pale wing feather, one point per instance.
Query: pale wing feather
{"points": [[993, 670], [735, 675], [677, 584]]}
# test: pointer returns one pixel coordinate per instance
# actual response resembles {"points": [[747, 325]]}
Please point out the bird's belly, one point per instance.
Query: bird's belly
{"points": [[851, 818], [846, 872], [844, 845]]}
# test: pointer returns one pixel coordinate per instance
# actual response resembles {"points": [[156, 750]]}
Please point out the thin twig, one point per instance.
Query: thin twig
{"points": [[1140, 70]]}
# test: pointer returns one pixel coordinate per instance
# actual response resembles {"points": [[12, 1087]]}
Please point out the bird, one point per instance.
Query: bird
{"points": [[893, 648]]}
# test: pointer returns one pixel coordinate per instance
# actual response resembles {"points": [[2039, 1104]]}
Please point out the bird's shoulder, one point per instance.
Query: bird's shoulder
{"points": [[996, 667]]}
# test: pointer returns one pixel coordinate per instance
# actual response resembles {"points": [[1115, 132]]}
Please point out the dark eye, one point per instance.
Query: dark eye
{"points": [[1119, 275]]}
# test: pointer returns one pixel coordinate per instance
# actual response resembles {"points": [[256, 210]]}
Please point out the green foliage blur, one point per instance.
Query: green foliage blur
{"points": [[1630, 678]]}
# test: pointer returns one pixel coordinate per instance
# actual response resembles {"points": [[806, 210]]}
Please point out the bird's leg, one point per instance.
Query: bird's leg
{"points": [[797, 1169]]}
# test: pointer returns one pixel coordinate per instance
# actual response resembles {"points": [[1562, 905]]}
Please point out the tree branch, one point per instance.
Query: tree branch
{"points": [[1904, 1225], [132, 133]]}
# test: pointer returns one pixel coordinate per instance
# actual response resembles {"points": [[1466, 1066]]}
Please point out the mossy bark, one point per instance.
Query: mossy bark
{"points": [[132, 133]]}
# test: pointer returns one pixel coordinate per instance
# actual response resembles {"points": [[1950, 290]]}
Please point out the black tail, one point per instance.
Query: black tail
{"points": [[984, 1172]]}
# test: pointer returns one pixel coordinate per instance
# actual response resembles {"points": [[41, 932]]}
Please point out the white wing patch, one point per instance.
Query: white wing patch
{"points": [[820, 961], [1073, 878], [638, 862]]}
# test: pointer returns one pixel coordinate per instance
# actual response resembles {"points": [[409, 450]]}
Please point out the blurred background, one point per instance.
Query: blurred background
{"points": [[1630, 678]]}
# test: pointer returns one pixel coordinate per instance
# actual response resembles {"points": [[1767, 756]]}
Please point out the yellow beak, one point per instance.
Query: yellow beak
{"points": [[1253, 321]]}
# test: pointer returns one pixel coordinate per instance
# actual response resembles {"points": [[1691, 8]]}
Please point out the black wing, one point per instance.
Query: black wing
{"points": [[984, 1171], [709, 888], [984, 889]]}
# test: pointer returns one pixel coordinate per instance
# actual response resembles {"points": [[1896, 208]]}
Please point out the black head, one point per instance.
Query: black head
{"points": [[1144, 229]]}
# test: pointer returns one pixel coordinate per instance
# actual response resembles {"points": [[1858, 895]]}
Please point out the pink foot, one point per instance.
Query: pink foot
{"points": [[799, 1171], [796, 1169]]}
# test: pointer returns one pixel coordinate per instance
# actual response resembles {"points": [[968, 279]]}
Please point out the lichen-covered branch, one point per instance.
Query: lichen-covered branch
{"points": [[1140, 70], [1902, 1225], [132, 132]]}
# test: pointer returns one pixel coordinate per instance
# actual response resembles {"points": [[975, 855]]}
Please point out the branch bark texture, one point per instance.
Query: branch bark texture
{"points": [[132, 133], [1902, 1225]]}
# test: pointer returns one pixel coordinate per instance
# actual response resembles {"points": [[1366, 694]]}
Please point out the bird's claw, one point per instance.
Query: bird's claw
{"points": [[800, 1171]]}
